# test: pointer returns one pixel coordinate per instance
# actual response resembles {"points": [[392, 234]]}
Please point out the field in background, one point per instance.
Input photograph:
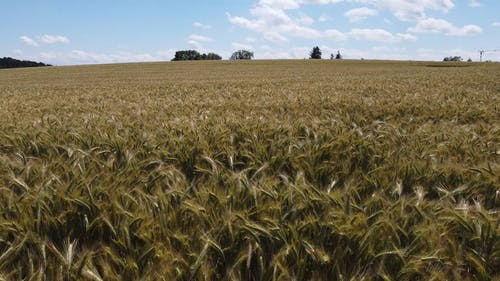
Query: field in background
{"points": [[261, 170]]}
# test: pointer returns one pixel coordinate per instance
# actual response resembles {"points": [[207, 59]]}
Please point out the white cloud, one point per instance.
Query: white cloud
{"points": [[274, 37], [281, 4], [270, 15], [196, 41], [335, 35], [250, 39], [360, 14], [323, 18], [410, 10], [195, 45], [474, 3], [432, 25], [406, 10], [379, 35], [304, 32], [294, 4], [28, 41], [201, 25], [274, 24], [200, 38], [496, 24], [85, 57], [52, 39], [44, 39], [405, 37], [305, 20], [244, 22], [119, 57]]}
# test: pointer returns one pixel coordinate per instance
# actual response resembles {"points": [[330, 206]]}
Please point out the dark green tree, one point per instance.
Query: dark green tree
{"points": [[186, 55], [242, 55], [14, 63], [315, 53], [455, 58], [338, 56], [194, 55], [213, 56]]}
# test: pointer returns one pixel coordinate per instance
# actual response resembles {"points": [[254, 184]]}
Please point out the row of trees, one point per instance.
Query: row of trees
{"points": [[195, 55], [7, 62], [316, 54], [239, 55], [455, 58], [248, 55], [186, 55]]}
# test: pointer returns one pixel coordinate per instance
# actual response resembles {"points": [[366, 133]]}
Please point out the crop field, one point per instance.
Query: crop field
{"points": [[259, 170]]}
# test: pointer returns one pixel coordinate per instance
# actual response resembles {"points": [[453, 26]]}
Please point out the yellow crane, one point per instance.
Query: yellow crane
{"points": [[482, 52]]}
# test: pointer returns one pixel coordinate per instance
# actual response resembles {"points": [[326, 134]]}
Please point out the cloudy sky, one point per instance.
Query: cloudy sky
{"points": [[66, 32]]}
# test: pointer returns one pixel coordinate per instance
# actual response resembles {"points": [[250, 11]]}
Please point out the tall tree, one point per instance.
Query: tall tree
{"points": [[315, 53]]}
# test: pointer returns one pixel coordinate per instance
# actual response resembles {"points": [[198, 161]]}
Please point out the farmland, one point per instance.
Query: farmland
{"points": [[261, 170]]}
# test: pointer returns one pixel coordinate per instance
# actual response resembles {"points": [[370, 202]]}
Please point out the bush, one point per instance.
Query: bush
{"points": [[455, 58]]}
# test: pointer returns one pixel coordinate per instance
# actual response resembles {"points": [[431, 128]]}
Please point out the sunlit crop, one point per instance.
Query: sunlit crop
{"points": [[262, 170]]}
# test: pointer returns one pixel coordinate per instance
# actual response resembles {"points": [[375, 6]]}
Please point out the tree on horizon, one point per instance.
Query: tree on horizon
{"points": [[194, 55], [8, 62], [315, 53], [242, 55]]}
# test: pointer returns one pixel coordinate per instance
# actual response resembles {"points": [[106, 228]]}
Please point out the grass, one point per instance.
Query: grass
{"points": [[262, 170]]}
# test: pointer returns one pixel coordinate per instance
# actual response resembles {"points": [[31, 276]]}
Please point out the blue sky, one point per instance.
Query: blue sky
{"points": [[66, 32]]}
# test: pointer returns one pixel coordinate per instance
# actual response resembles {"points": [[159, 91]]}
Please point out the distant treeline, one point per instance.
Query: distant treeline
{"points": [[194, 55], [13, 63]]}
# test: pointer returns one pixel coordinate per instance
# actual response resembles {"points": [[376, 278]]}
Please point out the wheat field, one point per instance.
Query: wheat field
{"points": [[260, 170]]}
